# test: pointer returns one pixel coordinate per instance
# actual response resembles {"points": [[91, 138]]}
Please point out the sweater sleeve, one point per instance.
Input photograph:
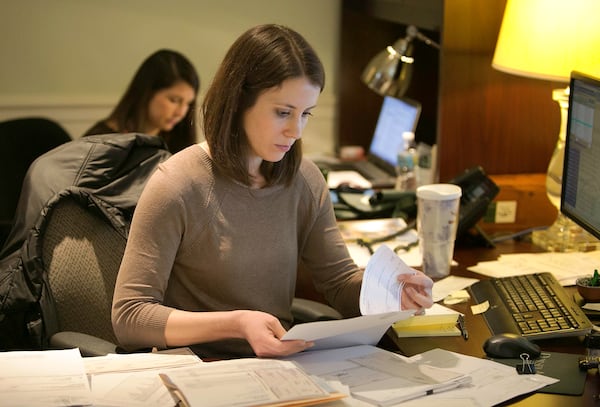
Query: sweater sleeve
{"points": [[325, 255]]}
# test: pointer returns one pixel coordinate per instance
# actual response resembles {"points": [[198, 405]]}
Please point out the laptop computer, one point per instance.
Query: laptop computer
{"points": [[396, 116]]}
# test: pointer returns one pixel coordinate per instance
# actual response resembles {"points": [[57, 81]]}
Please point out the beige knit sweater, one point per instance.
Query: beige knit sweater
{"points": [[202, 242]]}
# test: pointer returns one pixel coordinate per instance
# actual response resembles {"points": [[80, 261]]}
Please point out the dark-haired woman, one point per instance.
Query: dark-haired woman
{"points": [[159, 101]]}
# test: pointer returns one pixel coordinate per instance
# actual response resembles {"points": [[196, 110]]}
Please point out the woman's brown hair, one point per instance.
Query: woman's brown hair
{"points": [[261, 58]]}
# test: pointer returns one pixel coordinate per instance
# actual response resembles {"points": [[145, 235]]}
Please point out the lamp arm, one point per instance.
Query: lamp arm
{"points": [[413, 32]]}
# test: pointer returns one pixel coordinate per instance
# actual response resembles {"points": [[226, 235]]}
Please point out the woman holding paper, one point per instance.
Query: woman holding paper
{"points": [[221, 227]]}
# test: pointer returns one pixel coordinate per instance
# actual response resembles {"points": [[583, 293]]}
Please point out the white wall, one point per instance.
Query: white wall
{"points": [[71, 60]]}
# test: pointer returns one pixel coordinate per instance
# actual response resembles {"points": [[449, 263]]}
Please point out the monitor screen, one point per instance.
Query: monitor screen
{"points": [[580, 196], [395, 117]]}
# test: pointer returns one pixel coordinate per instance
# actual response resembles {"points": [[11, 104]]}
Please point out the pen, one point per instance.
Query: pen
{"points": [[463, 327]]}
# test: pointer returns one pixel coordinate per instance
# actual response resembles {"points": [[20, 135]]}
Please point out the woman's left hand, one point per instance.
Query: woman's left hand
{"points": [[416, 292]]}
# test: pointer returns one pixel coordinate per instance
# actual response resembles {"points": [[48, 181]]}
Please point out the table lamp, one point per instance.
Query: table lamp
{"points": [[547, 39], [390, 71]]}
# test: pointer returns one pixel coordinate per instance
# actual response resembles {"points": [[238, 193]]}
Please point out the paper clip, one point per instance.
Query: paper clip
{"points": [[527, 367]]}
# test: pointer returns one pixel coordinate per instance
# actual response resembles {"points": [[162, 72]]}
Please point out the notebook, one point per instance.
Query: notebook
{"points": [[396, 116]]}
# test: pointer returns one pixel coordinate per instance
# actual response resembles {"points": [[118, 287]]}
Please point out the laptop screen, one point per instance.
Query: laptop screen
{"points": [[395, 117]]}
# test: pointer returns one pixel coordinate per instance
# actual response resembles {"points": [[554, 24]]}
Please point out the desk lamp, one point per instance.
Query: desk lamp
{"points": [[390, 71], [547, 39]]}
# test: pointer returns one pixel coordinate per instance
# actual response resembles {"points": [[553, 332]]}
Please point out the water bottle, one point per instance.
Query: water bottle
{"points": [[405, 164]]}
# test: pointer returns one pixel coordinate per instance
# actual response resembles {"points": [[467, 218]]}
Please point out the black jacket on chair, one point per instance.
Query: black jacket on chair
{"points": [[112, 168]]}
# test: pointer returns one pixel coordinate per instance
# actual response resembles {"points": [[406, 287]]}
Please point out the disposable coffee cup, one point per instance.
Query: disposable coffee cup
{"points": [[437, 220]]}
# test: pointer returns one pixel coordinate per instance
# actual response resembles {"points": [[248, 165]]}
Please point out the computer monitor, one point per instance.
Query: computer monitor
{"points": [[580, 196]]}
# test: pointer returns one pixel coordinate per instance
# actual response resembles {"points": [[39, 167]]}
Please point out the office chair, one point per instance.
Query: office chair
{"points": [[81, 253], [305, 310], [21, 142]]}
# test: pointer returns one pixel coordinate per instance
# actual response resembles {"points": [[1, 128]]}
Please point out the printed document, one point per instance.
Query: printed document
{"points": [[379, 304], [247, 382], [47, 378], [566, 267], [380, 291], [363, 330], [133, 379], [378, 376], [436, 377]]}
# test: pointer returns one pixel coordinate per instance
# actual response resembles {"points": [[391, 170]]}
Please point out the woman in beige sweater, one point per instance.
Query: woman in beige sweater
{"points": [[221, 227]]}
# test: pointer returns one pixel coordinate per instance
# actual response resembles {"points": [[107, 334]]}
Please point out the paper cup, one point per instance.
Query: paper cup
{"points": [[437, 220]]}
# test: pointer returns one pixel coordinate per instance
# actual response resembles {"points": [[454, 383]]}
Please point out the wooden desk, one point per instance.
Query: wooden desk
{"points": [[478, 333]]}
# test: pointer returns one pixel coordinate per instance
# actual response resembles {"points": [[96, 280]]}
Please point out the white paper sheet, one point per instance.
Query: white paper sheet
{"points": [[378, 376], [566, 267], [363, 330], [119, 363], [491, 382], [244, 382], [133, 389], [43, 378], [133, 379], [449, 285], [380, 291]]}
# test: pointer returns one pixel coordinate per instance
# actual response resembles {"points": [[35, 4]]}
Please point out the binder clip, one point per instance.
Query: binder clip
{"points": [[527, 367]]}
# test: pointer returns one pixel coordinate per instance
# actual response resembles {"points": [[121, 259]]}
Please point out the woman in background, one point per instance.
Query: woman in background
{"points": [[160, 101], [221, 227]]}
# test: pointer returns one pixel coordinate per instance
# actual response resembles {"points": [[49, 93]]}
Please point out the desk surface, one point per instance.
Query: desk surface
{"points": [[478, 333]]}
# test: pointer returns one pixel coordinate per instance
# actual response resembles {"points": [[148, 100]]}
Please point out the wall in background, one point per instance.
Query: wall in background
{"points": [[71, 60]]}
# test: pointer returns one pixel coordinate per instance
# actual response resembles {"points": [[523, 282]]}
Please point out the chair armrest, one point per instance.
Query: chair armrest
{"points": [[88, 345], [305, 310]]}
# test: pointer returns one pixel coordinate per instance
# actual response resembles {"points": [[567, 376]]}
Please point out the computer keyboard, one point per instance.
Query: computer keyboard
{"points": [[535, 306]]}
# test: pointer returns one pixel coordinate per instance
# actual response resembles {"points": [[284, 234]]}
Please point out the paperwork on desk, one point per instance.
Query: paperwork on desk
{"points": [[45, 379], [56, 378], [380, 299], [566, 267], [247, 382], [133, 379], [378, 376], [60, 378], [436, 321], [436, 377], [363, 330]]}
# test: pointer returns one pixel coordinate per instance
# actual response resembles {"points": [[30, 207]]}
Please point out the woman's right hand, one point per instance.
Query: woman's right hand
{"points": [[264, 332]]}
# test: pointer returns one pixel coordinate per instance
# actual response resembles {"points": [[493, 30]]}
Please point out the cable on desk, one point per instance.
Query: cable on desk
{"points": [[368, 243], [517, 234]]}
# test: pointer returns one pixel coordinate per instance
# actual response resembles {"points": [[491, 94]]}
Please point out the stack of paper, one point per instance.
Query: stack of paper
{"points": [[566, 267], [437, 321], [441, 377], [380, 377], [52, 378], [247, 382]]}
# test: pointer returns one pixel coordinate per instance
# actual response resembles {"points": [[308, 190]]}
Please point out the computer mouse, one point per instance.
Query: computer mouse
{"points": [[510, 346]]}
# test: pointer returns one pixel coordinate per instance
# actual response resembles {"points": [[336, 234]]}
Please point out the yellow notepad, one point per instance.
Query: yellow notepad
{"points": [[437, 321]]}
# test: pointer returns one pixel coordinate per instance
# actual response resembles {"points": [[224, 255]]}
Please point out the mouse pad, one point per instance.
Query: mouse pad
{"points": [[562, 366]]}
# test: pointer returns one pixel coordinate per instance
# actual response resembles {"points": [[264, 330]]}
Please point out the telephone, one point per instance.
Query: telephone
{"points": [[478, 191]]}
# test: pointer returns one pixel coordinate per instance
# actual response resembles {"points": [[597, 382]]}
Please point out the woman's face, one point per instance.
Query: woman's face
{"points": [[168, 106], [277, 119]]}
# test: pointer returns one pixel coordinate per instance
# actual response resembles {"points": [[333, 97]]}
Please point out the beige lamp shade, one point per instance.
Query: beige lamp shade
{"points": [[547, 39]]}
